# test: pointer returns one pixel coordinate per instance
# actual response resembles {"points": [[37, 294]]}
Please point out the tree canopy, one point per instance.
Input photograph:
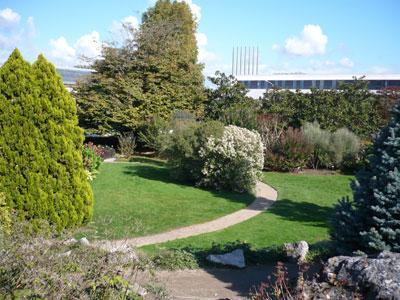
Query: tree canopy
{"points": [[156, 71]]}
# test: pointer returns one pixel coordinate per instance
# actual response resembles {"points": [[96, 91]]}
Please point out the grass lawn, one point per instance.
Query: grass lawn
{"points": [[139, 198], [301, 213]]}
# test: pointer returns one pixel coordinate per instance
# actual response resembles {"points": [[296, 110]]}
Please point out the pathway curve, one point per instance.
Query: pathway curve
{"points": [[265, 197]]}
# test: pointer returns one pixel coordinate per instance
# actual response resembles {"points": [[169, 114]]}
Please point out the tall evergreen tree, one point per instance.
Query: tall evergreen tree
{"points": [[372, 222], [154, 72], [41, 168]]}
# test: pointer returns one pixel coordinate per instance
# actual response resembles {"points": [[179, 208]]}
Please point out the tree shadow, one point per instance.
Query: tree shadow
{"points": [[303, 212], [159, 172], [148, 160]]}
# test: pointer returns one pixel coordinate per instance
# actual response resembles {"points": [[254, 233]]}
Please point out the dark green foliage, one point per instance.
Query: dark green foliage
{"points": [[372, 222], [352, 107], [290, 152], [228, 92], [183, 145], [150, 132], [41, 170], [155, 72]]}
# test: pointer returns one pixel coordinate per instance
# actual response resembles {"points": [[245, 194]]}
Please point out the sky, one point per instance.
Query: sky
{"points": [[309, 36]]}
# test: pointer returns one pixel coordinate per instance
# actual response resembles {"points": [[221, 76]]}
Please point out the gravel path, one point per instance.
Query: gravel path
{"points": [[265, 197]]}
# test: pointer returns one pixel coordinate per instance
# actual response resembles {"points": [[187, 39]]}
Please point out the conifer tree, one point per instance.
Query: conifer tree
{"points": [[372, 222], [41, 170]]}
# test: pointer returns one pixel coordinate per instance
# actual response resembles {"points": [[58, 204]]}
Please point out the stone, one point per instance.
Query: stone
{"points": [[234, 258], [65, 254], [70, 241], [84, 241], [377, 277], [137, 289], [296, 251]]}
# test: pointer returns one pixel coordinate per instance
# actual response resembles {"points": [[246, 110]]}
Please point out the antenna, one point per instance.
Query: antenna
{"points": [[233, 59], [257, 61], [240, 69]]}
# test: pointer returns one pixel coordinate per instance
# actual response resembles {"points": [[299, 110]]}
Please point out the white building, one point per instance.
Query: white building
{"points": [[258, 84]]}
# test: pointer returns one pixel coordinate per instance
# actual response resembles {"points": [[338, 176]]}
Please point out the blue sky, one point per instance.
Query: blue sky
{"points": [[314, 36]]}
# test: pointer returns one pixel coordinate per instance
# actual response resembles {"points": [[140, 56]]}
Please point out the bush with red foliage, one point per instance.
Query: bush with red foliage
{"points": [[288, 153]]}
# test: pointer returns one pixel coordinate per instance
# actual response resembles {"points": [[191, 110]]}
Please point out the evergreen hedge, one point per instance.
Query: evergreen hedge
{"points": [[41, 169]]}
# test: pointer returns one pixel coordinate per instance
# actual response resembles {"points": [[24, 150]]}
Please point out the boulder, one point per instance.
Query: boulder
{"points": [[296, 251], [84, 241], [234, 258], [376, 277]]}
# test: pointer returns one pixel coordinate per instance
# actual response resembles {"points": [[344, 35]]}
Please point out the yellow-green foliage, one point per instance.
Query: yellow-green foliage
{"points": [[5, 215], [41, 168]]}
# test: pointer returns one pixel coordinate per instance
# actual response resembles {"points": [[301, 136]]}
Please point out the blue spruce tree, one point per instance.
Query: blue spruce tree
{"points": [[372, 222]]}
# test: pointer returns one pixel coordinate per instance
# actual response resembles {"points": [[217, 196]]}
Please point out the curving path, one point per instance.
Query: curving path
{"points": [[265, 197]]}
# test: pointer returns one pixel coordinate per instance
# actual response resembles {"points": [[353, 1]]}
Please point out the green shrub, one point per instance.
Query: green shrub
{"points": [[331, 150], [242, 114], [127, 144], [345, 146], [370, 223], [41, 168], [290, 152], [152, 131], [183, 145], [233, 161], [320, 140]]}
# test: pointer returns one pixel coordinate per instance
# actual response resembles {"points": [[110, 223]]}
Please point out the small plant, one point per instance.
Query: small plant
{"points": [[92, 157], [127, 144], [175, 260]]}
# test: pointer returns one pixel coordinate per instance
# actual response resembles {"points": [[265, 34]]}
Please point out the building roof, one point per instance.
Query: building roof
{"points": [[296, 76]]}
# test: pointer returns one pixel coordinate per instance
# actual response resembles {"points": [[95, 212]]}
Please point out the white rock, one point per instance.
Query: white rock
{"points": [[297, 251], [234, 258], [84, 241]]}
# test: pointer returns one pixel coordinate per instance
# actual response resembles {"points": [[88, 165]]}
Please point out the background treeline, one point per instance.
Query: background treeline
{"points": [[155, 76]]}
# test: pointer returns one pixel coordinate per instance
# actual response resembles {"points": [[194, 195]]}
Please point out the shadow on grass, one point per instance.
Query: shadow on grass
{"points": [[303, 212], [147, 160], [159, 172]]}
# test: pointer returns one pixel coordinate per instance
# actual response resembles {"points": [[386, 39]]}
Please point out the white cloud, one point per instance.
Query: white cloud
{"points": [[8, 18], [275, 47], [311, 41], [207, 57], [88, 45], [196, 10], [62, 52], [201, 39], [86, 48], [15, 34], [346, 62]]}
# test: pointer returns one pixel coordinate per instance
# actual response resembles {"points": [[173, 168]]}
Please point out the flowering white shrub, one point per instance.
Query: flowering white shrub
{"points": [[233, 161]]}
